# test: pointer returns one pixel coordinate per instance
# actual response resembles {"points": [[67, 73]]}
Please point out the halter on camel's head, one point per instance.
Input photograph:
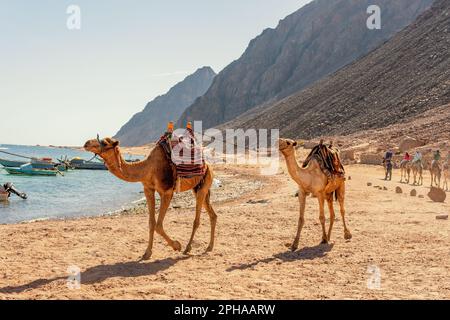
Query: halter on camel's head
{"points": [[106, 146]]}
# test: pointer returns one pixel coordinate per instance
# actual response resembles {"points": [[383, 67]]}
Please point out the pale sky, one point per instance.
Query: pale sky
{"points": [[61, 86]]}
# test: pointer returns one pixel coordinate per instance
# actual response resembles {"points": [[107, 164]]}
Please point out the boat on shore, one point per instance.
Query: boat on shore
{"points": [[81, 164], [44, 163], [29, 170]]}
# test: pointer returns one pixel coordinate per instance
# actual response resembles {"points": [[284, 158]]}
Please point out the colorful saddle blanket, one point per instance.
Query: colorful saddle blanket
{"points": [[328, 159], [184, 153]]}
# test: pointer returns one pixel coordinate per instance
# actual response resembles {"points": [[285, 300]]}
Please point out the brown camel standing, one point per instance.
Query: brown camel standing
{"points": [[446, 170], [311, 180], [405, 171], [435, 171], [156, 174], [417, 170]]}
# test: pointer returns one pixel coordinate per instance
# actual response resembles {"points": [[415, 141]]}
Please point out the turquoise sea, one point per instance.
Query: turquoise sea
{"points": [[79, 193]]}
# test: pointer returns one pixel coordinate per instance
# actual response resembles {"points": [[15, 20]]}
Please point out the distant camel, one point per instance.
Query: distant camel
{"points": [[405, 170], [311, 180], [417, 169], [446, 170], [436, 171], [156, 174]]}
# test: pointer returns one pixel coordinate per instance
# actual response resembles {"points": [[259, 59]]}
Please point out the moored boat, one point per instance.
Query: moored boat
{"points": [[27, 169], [45, 163], [82, 164]]}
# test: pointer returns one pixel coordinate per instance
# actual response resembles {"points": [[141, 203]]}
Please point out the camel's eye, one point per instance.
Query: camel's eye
{"points": [[288, 143]]}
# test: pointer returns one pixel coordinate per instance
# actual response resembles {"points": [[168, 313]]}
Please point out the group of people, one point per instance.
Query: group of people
{"points": [[418, 158]]}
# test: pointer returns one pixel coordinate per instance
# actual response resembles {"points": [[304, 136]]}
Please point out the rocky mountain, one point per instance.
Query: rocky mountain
{"points": [[408, 75], [148, 125], [306, 46]]}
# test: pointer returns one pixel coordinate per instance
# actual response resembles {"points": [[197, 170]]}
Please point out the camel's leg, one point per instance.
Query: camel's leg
{"points": [[331, 209], [321, 199], [341, 198], [150, 195], [165, 202], [301, 219], [212, 220], [201, 196]]}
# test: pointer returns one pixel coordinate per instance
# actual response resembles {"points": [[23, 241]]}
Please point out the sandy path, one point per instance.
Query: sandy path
{"points": [[396, 233]]}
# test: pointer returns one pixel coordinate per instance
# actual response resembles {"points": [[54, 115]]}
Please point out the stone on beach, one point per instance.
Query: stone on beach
{"points": [[437, 194]]}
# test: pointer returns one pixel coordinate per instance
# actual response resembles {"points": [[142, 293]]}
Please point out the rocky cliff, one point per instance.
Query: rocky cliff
{"points": [[306, 46], [408, 75], [148, 125]]}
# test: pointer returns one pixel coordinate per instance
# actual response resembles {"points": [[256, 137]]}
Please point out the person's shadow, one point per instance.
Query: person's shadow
{"points": [[306, 253], [102, 272]]}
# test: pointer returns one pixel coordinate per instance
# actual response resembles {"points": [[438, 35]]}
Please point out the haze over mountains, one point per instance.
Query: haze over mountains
{"points": [[150, 124], [407, 76], [306, 46]]}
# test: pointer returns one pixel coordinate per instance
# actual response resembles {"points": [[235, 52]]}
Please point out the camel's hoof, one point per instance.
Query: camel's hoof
{"points": [[347, 235], [324, 241], [187, 250], [209, 249], [147, 255], [176, 246]]}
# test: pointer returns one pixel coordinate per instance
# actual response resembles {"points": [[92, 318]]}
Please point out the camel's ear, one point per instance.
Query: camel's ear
{"points": [[295, 144], [115, 143], [288, 143]]}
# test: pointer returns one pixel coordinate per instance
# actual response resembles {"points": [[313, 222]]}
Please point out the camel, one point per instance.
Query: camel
{"points": [[312, 180], [156, 174], [446, 170], [405, 170], [435, 171], [417, 169]]}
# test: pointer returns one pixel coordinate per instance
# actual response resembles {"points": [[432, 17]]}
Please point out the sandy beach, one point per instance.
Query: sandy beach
{"points": [[394, 235]]}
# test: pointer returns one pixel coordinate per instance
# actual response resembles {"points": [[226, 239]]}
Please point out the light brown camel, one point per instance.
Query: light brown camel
{"points": [[435, 171], [446, 170], [405, 170], [417, 170], [156, 174], [311, 180]]}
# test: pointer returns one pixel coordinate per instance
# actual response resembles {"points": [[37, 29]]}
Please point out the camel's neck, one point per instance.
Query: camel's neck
{"points": [[294, 169], [130, 172]]}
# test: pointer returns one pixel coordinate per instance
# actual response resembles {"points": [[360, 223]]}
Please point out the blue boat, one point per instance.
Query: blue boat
{"points": [[27, 169], [45, 164]]}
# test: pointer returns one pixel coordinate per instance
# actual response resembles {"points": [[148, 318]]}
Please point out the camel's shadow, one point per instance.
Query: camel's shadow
{"points": [[306, 253], [100, 273]]}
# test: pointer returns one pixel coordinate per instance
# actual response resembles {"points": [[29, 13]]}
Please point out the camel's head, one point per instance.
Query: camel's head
{"points": [[102, 147], [287, 146]]}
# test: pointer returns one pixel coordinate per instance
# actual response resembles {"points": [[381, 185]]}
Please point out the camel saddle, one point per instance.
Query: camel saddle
{"points": [[184, 153], [329, 161]]}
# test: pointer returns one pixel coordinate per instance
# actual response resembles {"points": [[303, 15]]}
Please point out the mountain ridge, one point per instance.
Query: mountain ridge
{"points": [[307, 45], [408, 75], [148, 125]]}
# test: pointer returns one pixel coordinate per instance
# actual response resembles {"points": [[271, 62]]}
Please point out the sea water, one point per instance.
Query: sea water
{"points": [[78, 193]]}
